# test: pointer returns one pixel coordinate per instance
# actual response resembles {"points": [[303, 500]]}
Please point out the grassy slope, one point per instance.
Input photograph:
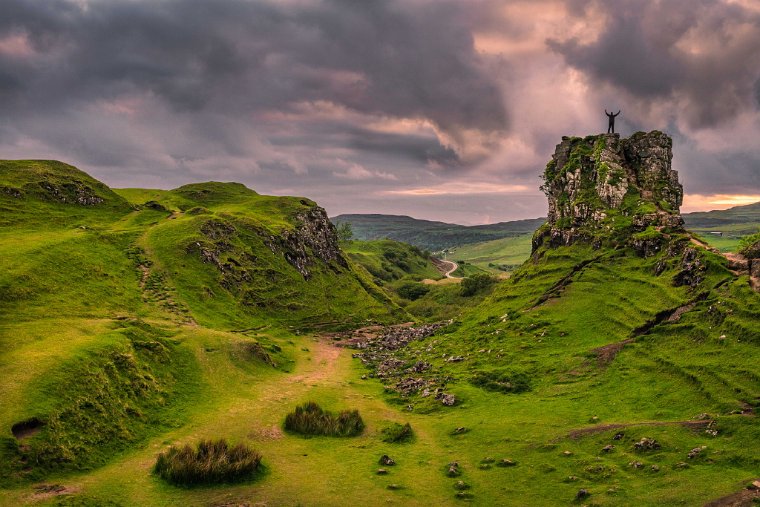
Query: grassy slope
{"points": [[701, 364], [505, 254], [100, 306], [677, 371]]}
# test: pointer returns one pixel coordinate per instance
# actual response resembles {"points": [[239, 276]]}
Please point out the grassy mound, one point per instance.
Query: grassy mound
{"points": [[398, 433], [213, 462], [311, 419]]}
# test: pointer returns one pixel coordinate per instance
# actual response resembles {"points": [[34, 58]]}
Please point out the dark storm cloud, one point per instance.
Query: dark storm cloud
{"points": [[418, 148], [701, 54], [382, 57]]}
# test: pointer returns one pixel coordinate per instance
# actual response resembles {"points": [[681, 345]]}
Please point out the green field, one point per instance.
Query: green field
{"points": [[134, 320], [499, 255]]}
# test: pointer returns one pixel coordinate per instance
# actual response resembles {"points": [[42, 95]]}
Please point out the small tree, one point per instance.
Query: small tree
{"points": [[345, 231]]}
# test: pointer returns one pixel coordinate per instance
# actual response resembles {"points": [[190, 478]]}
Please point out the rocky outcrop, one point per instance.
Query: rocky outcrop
{"points": [[312, 239], [602, 186], [315, 236]]}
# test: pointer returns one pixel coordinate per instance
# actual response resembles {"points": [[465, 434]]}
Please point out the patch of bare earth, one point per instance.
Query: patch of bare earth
{"points": [[744, 498], [605, 355], [270, 433], [43, 491], [600, 428]]}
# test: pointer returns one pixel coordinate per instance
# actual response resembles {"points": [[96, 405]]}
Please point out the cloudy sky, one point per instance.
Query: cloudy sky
{"points": [[438, 109]]}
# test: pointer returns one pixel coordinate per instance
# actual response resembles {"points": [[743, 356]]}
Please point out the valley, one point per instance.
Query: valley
{"points": [[614, 366]]}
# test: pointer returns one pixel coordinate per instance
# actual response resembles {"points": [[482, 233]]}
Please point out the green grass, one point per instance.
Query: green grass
{"points": [[118, 369], [505, 254]]}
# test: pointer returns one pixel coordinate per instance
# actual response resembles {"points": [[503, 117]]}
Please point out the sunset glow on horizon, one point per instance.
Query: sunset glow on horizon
{"points": [[436, 109]]}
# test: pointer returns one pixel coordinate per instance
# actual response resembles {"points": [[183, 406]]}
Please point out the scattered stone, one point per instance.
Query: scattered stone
{"points": [[572, 478], [454, 470], [448, 400], [484, 466], [488, 460], [681, 466], [636, 464], [646, 444], [696, 451], [655, 468], [582, 494], [618, 436], [455, 359], [608, 448], [381, 471], [461, 485], [463, 495], [567, 453], [386, 460], [460, 431], [394, 487], [755, 485], [506, 463], [594, 419]]}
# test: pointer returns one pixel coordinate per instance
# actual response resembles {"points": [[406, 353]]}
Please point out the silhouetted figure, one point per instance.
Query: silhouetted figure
{"points": [[611, 126]]}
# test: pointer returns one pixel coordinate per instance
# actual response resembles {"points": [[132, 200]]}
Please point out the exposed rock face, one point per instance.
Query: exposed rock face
{"points": [[607, 186], [315, 235], [73, 192]]}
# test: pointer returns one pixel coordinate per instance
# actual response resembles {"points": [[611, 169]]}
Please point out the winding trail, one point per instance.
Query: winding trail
{"points": [[454, 267]]}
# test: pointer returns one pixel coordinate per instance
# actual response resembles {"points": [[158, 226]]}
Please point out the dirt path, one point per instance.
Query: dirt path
{"points": [[600, 428], [454, 266]]}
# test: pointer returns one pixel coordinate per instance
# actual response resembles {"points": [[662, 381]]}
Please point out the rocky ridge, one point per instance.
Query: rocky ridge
{"points": [[604, 187]]}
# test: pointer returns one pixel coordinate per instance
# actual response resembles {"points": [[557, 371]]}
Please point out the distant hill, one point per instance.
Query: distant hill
{"points": [[432, 235], [724, 228]]}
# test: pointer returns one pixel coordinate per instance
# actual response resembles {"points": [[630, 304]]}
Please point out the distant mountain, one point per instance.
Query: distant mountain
{"points": [[748, 214], [432, 235]]}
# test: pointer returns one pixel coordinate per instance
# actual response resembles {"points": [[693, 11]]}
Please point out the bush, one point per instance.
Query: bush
{"points": [[398, 433], [212, 462], [503, 382], [412, 291], [475, 284], [310, 419]]}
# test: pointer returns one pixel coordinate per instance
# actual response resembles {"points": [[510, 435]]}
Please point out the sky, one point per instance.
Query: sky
{"points": [[438, 109]]}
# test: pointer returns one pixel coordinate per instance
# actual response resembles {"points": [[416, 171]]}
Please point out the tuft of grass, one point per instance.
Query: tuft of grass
{"points": [[212, 462], [502, 381], [311, 419], [398, 433]]}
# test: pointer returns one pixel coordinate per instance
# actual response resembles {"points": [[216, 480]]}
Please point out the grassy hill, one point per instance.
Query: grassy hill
{"points": [[132, 320], [431, 235], [109, 305]]}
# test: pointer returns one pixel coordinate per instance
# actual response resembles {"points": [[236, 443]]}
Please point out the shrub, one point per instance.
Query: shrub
{"points": [[398, 433], [502, 381], [212, 462], [412, 291], [475, 284], [310, 419]]}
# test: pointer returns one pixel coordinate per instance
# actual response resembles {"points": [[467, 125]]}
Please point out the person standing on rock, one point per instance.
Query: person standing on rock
{"points": [[611, 126]]}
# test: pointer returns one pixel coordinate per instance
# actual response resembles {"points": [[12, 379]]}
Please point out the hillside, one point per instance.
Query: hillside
{"points": [[614, 367], [615, 364], [106, 301], [431, 235]]}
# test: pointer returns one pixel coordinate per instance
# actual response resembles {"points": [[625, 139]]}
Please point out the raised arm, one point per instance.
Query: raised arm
{"points": [[617, 113], [605, 112]]}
